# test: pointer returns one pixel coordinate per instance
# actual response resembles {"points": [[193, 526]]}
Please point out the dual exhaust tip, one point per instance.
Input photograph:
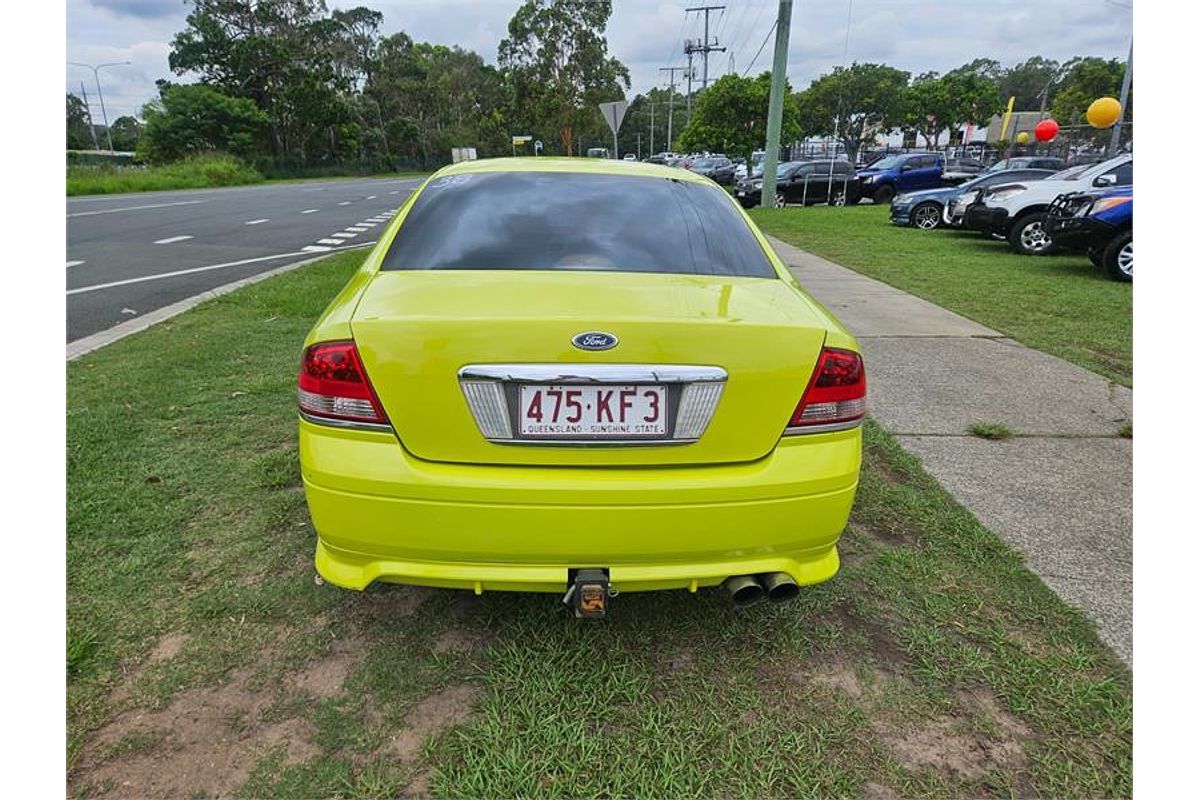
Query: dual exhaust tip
{"points": [[746, 590]]}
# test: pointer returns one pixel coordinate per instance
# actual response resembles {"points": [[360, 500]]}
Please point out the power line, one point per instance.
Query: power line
{"points": [[766, 39], [746, 39]]}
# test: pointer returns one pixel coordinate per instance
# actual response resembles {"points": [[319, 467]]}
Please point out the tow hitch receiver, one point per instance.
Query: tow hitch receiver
{"points": [[589, 594]]}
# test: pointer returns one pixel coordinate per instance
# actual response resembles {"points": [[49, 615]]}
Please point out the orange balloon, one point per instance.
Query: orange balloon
{"points": [[1104, 112]]}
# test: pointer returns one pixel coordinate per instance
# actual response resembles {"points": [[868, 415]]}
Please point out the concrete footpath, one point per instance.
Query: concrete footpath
{"points": [[1060, 491]]}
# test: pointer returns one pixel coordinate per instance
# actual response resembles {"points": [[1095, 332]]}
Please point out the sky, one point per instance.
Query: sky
{"points": [[914, 35]]}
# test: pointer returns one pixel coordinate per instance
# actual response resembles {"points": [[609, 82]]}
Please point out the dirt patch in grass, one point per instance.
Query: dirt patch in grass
{"points": [[461, 640], [167, 648], [431, 716], [839, 676], [956, 744], [384, 602], [325, 677], [214, 735]]}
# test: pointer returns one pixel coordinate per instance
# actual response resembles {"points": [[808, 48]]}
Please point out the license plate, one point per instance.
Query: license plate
{"points": [[593, 411]]}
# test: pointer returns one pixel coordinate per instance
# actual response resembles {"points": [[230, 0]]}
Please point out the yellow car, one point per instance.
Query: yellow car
{"points": [[583, 377]]}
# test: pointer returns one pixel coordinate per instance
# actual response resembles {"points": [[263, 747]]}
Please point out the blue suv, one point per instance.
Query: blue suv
{"points": [[907, 172], [1098, 222]]}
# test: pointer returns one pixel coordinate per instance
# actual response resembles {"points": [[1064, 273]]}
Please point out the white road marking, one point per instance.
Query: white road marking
{"points": [[344, 203], [135, 208], [257, 221], [363, 225], [172, 239], [74, 263], [343, 235], [97, 287], [310, 211], [356, 228], [129, 311], [329, 241], [371, 197], [393, 193], [315, 248]]}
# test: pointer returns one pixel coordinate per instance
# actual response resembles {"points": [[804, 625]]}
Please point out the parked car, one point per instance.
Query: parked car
{"points": [[805, 183], [630, 157], [719, 169], [752, 168], [1027, 162], [480, 406], [959, 170], [907, 172], [1016, 211], [597, 152], [928, 209], [1098, 222]]}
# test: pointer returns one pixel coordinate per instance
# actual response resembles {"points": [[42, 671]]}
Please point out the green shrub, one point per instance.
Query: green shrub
{"points": [[197, 172]]}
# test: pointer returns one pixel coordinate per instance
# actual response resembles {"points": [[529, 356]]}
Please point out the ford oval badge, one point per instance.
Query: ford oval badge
{"points": [[594, 340]]}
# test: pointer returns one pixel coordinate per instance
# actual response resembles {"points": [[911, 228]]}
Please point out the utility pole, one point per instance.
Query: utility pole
{"points": [[783, 27], [691, 73], [670, 102], [706, 47], [639, 149], [91, 122], [651, 126], [1116, 134], [96, 73]]}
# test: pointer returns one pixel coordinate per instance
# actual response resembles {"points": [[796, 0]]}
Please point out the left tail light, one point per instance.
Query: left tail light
{"points": [[333, 386], [836, 396]]}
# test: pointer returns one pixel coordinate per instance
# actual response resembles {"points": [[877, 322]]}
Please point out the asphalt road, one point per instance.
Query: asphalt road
{"points": [[132, 253]]}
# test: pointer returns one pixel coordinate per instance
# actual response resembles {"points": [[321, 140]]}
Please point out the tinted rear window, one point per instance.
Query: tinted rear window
{"points": [[576, 221]]}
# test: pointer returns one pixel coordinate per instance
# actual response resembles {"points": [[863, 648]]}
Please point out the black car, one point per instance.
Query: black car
{"points": [[805, 183], [960, 170], [1098, 222], [718, 168]]}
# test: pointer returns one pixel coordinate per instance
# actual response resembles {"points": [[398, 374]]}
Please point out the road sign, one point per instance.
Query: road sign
{"points": [[521, 139], [614, 113]]}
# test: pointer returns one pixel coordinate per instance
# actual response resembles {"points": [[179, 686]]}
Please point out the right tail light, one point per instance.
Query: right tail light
{"points": [[836, 394]]}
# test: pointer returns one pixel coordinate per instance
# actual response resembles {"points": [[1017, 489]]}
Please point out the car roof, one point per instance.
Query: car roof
{"points": [[594, 166]]}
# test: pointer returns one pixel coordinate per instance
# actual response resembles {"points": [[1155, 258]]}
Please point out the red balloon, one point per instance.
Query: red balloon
{"points": [[1045, 130]]}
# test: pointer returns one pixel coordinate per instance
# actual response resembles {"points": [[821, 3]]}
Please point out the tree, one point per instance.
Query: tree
{"points": [[925, 107], [194, 118], [125, 133], [556, 59], [1086, 80], [79, 132], [971, 98], [853, 103], [730, 116], [432, 98], [1026, 82]]}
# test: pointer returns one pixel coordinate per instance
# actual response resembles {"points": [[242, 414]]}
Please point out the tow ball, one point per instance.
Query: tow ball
{"points": [[589, 593]]}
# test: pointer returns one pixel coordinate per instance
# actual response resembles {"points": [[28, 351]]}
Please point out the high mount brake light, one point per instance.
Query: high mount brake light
{"points": [[836, 394], [333, 386]]}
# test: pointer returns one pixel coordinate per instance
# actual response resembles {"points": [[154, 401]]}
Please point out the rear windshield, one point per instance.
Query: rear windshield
{"points": [[576, 221]]}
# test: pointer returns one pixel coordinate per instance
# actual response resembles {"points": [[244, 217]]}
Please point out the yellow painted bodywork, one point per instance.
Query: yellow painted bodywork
{"points": [[434, 503]]}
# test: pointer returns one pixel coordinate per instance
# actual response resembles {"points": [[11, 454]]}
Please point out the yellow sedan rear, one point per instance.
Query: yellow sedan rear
{"points": [[582, 377]]}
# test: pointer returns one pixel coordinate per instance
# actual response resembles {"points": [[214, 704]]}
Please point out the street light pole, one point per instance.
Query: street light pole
{"points": [[1116, 134], [96, 74]]}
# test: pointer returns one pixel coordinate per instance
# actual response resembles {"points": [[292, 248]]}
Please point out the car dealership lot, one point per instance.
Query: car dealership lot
{"points": [[204, 658]]}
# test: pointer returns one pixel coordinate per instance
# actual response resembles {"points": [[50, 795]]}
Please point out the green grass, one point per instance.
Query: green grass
{"points": [[989, 430], [935, 664], [1061, 304], [199, 172]]}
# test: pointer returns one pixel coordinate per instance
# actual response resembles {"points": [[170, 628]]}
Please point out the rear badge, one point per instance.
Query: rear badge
{"points": [[594, 340]]}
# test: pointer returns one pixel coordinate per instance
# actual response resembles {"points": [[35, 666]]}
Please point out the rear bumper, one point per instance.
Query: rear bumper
{"points": [[381, 514]]}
